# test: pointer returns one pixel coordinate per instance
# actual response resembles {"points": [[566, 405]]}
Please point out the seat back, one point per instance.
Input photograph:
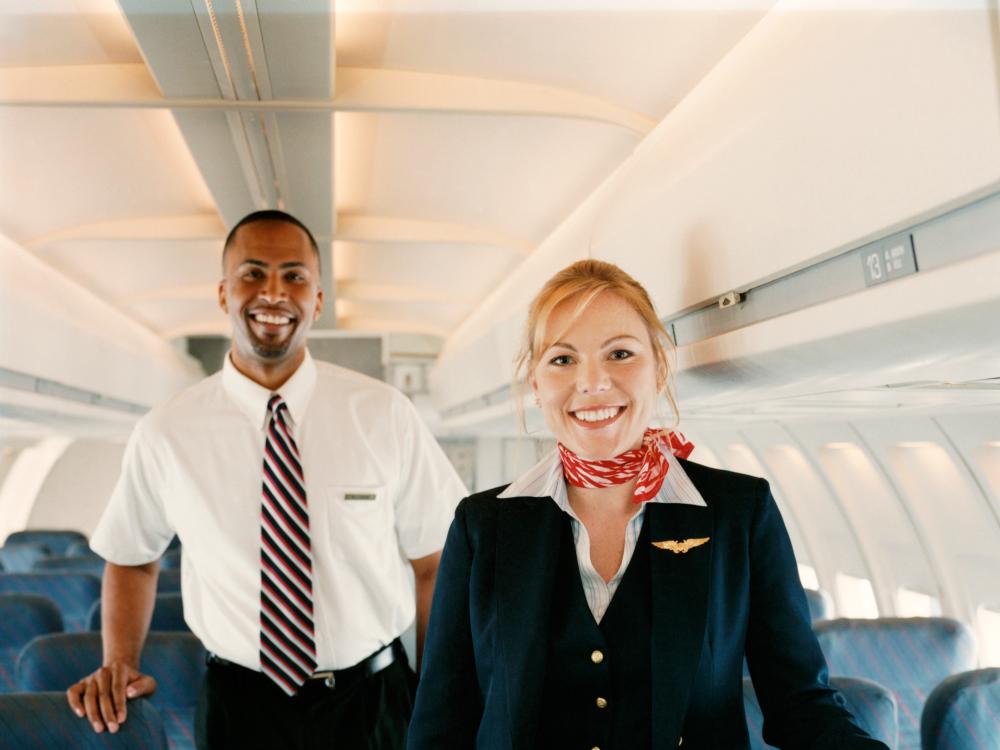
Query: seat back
{"points": [[171, 560], [22, 617], [963, 712], [42, 721], [168, 582], [910, 656], [175, 660], [19, 558], [81, 564], [819, 605], [56, 540], [872, 705], [73, 593], [168, 614], [80, 549]]}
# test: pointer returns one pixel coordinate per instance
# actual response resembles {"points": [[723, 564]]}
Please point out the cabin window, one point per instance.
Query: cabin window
{"points": [[855, 597], [988, 624], [911, 603], [807, 574]]}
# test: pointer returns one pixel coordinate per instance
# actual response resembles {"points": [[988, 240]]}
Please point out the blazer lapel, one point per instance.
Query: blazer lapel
{"points": [[680, 583], [528, 538]]}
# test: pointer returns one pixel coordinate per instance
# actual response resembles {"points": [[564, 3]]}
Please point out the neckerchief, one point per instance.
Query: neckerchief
{"points": [[646, 464]]}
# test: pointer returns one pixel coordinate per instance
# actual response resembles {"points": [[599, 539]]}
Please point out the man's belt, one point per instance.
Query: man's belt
{"points": [[331, 678]]}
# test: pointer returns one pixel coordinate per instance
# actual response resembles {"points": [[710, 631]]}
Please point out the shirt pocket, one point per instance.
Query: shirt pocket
{"points": [[360, 518]]}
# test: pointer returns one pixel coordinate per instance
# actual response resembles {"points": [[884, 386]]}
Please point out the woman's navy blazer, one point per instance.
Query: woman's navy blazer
{"points": [[485, 654]]}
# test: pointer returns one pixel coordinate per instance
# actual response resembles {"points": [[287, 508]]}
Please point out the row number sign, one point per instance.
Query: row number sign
{"points": [[888, 260]]}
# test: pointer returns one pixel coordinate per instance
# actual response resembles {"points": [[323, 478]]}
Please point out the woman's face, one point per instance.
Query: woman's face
{"points": [[597, 383]]}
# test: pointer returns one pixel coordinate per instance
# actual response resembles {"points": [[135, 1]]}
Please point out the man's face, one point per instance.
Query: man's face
{"points": [[270, 289]]}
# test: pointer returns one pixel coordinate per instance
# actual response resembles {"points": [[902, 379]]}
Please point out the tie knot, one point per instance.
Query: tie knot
{"points": [[275, 404]]}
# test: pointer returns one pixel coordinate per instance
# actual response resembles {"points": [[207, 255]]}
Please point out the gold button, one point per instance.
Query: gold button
{"points": [[601, 703], [597, 657]]}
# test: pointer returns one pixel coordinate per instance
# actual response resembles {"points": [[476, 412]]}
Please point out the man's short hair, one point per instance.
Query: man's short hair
{"points": [[270, 214]]}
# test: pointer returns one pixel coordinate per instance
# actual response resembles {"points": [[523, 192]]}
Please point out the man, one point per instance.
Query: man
{"points": [[298, 490]]}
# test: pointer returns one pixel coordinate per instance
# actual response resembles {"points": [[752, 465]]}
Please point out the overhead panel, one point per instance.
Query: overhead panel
{"points": [[246, 51]]}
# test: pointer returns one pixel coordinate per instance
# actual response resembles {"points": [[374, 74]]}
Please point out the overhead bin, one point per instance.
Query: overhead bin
{"points": [[821, 133]]}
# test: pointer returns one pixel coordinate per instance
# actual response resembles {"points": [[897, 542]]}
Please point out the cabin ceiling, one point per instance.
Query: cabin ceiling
{"points": [[431, 145]]}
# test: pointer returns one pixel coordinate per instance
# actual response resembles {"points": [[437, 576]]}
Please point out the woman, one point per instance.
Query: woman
{"points": [[683, 569]]}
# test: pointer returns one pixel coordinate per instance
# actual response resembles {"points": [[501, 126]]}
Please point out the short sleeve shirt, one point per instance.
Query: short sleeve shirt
{"points": [[380, 492]]}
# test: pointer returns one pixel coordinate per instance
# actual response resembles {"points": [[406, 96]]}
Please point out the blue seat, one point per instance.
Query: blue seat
{"points": [[168, 614], [171, 560], [963, 712], [176, 660], [43, 721], [73, 593], [819, 605], [80, 549], [907, 655], [56, 540], [22, 617], [18, 558], [94, 565], [873, 707], [169, 582]]}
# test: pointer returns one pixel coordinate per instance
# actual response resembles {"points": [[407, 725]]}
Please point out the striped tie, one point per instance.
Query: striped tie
{"points": [[287, 643]]}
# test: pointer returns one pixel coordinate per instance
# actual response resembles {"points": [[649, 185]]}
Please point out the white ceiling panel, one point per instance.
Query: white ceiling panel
{"points": [[516, 175], [73, 168], [64, 32], [124, 272], [645, 58]]}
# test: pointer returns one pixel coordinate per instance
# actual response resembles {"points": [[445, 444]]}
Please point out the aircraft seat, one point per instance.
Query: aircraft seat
{"points": [[94, 565], [176, 660], [171, 560], [872, 705], [80, 549], [963, 712], [169, 581], [168, 614], [42, 721], [73, 593], [22, 617], [18, 558], [819, 605], [56, 540], [910, 656]]}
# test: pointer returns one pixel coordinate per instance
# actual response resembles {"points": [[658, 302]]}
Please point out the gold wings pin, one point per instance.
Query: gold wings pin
{"points": [[680, 546]]}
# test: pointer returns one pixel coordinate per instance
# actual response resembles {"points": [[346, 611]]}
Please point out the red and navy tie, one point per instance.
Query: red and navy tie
{"points": [[287, 638]]}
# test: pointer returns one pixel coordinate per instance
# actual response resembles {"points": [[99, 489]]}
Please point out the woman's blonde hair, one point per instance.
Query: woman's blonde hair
{"points": [[584, 280]]}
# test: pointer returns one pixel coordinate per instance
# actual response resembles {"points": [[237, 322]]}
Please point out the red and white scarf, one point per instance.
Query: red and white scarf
{"points": [[647, 464]]}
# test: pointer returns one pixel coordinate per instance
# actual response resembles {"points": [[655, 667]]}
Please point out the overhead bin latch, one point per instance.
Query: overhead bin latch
{"points": [[730, 299]]}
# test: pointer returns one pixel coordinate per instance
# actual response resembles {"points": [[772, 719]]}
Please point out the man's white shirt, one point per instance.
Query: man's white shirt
{"points": [[380, 492]]}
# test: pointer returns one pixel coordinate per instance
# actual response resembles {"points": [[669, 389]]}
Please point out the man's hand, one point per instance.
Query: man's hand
{"points": [[101, 696]]}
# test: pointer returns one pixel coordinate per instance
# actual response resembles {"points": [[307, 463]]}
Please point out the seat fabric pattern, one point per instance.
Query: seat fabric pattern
{"points": [[80, 549], [82, 564], [22, 617], [168, 582], [73, 593], [176, 660], [819, 605], [56, 540], [168, 614], [42, 721], [19, 558], [872, 705], [910, 656], [963, 712]]}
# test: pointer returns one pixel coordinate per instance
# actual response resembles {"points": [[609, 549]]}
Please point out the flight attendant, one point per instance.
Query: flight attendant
{"points": [[606, 598]]}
